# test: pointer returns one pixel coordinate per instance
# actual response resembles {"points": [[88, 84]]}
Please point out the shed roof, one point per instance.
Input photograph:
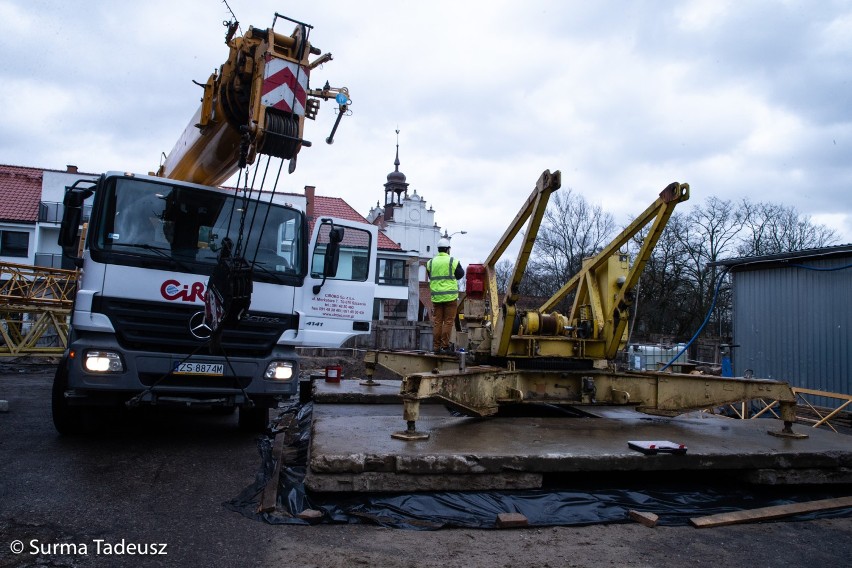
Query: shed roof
{"points": [[750, 262]]}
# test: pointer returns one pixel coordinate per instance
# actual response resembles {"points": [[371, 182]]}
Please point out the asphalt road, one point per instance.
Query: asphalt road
{"points": [[157, 483]]}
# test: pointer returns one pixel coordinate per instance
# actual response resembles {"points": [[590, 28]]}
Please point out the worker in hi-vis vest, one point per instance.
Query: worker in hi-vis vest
{"points": [[444, 273]]}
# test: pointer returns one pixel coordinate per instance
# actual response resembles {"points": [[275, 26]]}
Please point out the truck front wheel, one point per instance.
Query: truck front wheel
{"points": [[253, 419], [67, 419]]}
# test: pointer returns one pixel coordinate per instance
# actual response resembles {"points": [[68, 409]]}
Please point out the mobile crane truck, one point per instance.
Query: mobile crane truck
{"points": [[191, 294]]}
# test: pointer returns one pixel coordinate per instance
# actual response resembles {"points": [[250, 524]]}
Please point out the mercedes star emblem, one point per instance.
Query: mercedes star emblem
{"points": [[198, 326]]}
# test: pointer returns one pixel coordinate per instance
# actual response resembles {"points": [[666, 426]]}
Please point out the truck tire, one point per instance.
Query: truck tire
{"points": [[68, 420], [253, 419]]}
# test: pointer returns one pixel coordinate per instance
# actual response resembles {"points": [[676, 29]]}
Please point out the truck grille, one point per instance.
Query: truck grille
{"points": [[155, 326]]}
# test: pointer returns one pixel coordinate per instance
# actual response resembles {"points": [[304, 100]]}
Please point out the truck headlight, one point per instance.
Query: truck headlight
{"points": [[279, 370], [103, 362]]}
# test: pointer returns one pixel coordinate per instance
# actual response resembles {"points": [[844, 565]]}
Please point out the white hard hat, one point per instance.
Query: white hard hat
{"points": [[443, 243]]}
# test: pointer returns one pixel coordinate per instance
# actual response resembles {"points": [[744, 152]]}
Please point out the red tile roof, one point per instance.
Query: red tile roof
{"points": [[20, 193], [337, 207]]}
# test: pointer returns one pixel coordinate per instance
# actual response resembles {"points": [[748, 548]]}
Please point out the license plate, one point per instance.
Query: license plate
{"points": [[190, 368]]}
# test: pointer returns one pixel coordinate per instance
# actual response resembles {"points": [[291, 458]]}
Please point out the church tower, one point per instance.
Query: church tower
{"points": [[405, 218], [395, 187]]}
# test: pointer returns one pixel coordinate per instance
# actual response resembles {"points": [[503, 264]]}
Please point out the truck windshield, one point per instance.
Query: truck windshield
{"points": [[179, 227]]}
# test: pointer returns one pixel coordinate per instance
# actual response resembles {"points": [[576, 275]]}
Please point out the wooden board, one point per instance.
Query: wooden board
{"points": [[647, 519], [270, 492], [768, 513]]}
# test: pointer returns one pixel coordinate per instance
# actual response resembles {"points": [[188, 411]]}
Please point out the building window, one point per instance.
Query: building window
{"points": [[14, 243], [395, 309], [385, 309], [359, 268], [393, 272]]}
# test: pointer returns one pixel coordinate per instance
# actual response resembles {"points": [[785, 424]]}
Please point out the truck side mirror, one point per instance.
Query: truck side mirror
{"points": [[71, 215], [332, 252]]}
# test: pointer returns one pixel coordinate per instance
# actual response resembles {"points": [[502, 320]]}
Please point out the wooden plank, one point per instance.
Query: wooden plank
{"points": [[511, 520], [269, 498], [647, 519], [825, 394], [768, 513]]}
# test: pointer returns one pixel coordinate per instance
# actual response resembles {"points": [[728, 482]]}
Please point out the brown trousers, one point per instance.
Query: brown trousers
{"points": [[443, 319]]}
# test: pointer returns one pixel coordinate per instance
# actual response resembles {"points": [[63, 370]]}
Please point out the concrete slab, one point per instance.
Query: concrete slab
{"points": [[351, 391], [351, 447], [375, 482]]}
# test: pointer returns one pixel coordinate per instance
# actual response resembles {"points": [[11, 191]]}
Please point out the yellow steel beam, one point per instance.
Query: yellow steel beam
{"points": [[598, 276], [479, 391], [531, 213], [23, 326], [25, 284]]}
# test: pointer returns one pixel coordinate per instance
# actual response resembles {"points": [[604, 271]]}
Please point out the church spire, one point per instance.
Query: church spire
{"points": [[396, 162], [396, 185]]}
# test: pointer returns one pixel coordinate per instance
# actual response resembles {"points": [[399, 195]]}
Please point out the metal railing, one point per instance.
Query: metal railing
{"points": [[48, 260], [51, 212]]}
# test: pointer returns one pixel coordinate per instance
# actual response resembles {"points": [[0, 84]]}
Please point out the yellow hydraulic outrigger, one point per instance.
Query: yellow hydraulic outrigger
{"points": [[513, 356]]}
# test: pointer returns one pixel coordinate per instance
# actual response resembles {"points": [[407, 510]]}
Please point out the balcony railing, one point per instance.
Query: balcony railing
{"points": [[51, 212], [51, 260]]}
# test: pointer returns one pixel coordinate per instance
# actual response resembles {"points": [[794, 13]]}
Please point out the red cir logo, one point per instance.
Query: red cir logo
{"points": [[173, 290]]}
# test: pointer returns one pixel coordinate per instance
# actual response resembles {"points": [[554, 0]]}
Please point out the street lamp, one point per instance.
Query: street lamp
{"points": [[450, 236]]}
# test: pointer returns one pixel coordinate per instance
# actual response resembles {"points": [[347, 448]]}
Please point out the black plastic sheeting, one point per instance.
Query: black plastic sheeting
{"points": [[592, 502]]}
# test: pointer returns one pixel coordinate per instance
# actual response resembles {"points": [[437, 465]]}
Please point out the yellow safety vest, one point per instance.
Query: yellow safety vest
{"points": [[442, 281]]}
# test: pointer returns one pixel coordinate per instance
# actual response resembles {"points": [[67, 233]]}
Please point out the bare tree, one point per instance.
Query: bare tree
{"points": [[680, 281], [503, 272], [771, 228], [571, 230], [663, 287], [708, 234]]}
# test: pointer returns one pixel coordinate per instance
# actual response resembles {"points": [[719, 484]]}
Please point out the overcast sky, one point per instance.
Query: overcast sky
{"points": [[739, 99]]}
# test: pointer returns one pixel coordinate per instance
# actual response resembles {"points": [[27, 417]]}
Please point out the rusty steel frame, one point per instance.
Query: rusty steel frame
{"points": [[605, 288], [21, 335], [34, 300], [481, 390], [36, 285]]}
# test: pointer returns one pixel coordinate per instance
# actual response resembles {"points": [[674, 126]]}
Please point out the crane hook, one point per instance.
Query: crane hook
{"points": [[343, 100]]}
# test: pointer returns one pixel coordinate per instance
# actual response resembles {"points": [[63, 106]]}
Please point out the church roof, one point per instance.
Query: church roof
{"points": [[396, 179]]}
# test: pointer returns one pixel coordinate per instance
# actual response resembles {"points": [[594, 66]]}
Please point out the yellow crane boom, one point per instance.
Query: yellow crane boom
{"points": [[256, 103]]}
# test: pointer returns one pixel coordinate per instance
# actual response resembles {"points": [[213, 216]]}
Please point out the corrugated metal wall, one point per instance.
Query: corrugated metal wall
{"points": [[795, 324]]}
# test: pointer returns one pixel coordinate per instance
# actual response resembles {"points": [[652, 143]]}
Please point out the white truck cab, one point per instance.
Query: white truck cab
{"points": [[141, 330]]}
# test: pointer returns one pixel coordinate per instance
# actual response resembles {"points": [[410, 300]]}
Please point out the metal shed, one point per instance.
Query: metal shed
{"points": [[792, 318]]}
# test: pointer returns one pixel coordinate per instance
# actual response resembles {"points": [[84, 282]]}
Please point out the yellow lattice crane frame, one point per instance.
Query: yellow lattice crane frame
{"points": [[34, 301]]}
